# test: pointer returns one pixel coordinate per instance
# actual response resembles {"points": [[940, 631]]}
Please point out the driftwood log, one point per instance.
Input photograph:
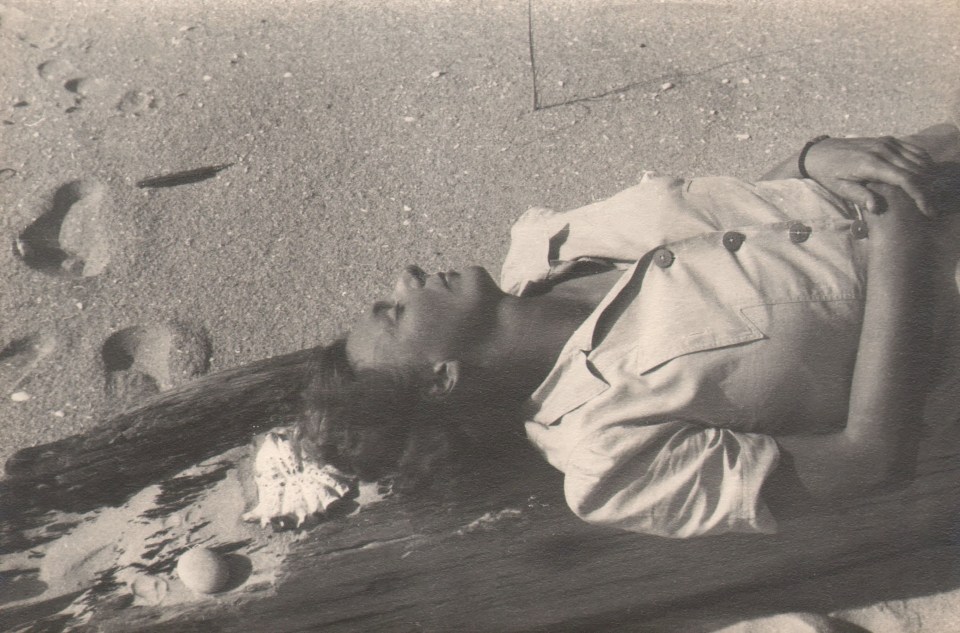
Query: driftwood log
{"points": [[157, 439], [502, 553]]}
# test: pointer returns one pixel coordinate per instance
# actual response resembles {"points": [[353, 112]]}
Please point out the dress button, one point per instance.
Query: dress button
{"points": [[732, 240], [859, 229], [799, 232], [663, 258]]}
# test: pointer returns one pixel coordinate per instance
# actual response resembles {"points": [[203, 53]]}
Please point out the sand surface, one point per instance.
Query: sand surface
{"points": [[363, 136]]}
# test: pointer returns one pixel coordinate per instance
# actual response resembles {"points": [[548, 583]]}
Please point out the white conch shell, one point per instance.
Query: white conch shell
{"points": [[289, 485]]}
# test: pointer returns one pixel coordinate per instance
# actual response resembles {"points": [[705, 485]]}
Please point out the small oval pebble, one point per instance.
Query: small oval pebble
{"points": [[203, 570], [19, 396]]}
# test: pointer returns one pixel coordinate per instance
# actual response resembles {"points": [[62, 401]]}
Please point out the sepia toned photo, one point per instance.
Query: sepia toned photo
{"points": [[488, 316]]}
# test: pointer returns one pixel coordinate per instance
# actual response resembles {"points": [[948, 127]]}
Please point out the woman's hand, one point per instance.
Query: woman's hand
{"points": [[899, 225], [844, 166]]}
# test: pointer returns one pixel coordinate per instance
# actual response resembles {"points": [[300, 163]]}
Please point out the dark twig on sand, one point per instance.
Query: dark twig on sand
{"points": [[182, 177]]}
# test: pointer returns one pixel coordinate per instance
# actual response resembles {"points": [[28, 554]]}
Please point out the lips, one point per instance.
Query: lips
{"points": [[421, 277]]}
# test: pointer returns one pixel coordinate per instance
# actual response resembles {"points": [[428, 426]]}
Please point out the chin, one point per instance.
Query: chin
{"points": [[482, 280]]}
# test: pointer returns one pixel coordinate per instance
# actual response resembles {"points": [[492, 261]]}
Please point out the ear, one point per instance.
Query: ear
{"points": [[446, 375]]}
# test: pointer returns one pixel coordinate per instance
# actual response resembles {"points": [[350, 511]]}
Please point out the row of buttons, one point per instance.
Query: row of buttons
{"points": [[733, 240]]}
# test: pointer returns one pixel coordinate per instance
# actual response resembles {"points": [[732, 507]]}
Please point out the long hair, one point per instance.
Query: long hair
{"points": [[373, 423], [369, 423]]}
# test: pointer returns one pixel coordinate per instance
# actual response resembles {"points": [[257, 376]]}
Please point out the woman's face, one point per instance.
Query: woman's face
{"points": [[427, 319]]}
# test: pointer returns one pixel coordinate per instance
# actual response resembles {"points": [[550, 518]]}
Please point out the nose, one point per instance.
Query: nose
{"points": [[412, 278]]}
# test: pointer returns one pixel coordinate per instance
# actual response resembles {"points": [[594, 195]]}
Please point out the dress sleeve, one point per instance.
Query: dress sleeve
{"points": [[621, 229], [672, 479], [658, 210]]}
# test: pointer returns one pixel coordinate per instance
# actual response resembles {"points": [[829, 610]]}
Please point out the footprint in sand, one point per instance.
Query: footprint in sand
{"points": [[98, 91], [19, 357], [69, 239], [143, 360], [61, 71], [135, 102], [104, 93], [56, 70], [94, 90]]}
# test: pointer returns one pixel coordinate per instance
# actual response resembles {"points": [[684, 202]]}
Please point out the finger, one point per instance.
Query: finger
{"points": [[910, 183], [902, 161], [919, 194], [857, 194], [915, 160], [916, 152], [904, 155]]}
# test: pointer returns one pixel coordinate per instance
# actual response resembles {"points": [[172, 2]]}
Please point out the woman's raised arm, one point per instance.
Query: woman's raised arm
{"points": [[844, 166], [878, 446]]}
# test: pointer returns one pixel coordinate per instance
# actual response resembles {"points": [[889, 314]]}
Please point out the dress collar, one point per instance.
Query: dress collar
{"points": [[573, 379]]}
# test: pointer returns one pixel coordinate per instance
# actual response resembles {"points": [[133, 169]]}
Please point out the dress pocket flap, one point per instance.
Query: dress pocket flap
{"points": [[663, 337]]}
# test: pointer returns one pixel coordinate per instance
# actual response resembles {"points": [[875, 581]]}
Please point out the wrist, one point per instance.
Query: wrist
{"points": [[896, 255], [904, 235]]}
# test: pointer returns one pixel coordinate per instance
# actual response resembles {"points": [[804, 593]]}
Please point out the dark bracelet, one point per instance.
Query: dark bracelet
{"points": [[803, 154]]}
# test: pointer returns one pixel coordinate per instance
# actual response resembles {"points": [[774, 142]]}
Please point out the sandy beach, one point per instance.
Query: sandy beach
{"points": [[344, 140]]}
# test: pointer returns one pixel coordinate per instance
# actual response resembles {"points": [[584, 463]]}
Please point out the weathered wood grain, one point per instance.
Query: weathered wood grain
{"points": [[429, 565], [414, 566], [157, 439]]}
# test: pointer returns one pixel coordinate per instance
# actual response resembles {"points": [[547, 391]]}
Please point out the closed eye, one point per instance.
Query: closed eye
{"points": [[388, 310]]}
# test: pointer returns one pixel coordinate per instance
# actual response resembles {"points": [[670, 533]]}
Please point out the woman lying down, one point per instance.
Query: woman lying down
{"points": [[695, 356]]}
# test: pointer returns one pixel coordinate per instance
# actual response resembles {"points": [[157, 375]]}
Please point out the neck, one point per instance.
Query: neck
{"points": [[530, 335]]}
